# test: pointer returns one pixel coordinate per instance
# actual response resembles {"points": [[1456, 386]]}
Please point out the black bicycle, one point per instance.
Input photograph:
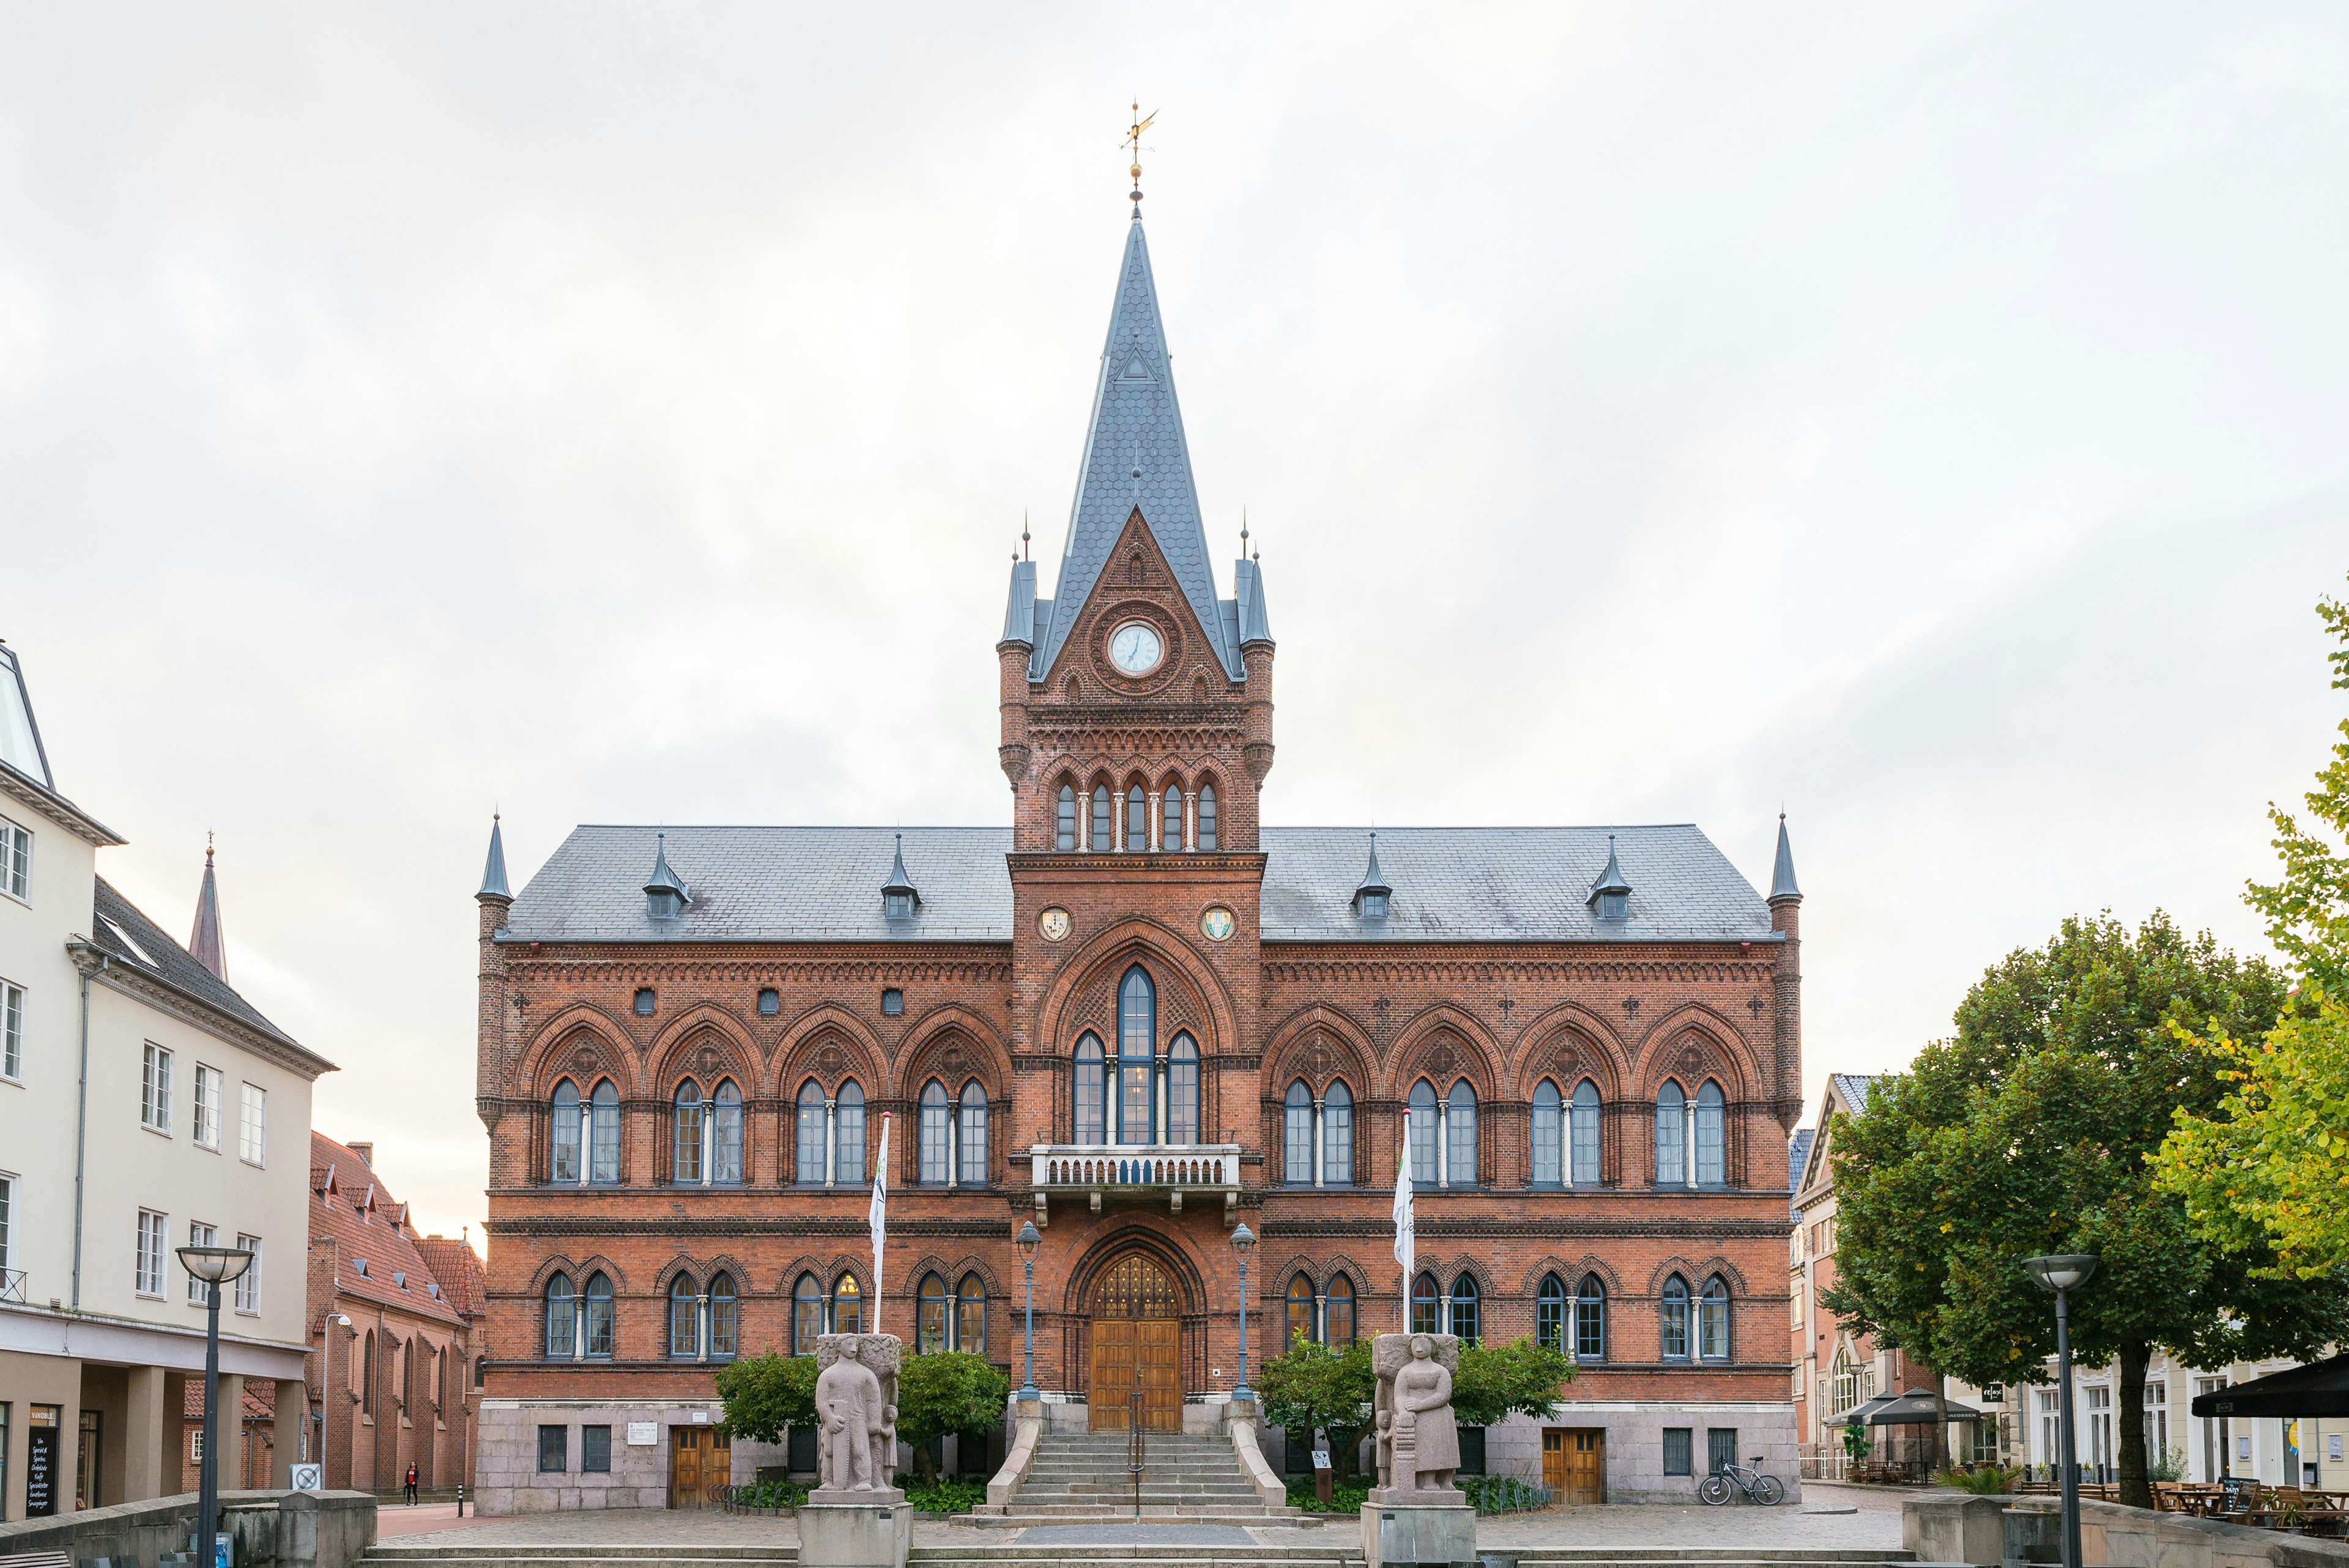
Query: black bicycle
{"points": [[1766, 1490]]}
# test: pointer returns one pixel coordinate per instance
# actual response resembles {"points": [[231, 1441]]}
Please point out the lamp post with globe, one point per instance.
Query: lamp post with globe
{"points": [[1242, 1244], [2060, 1275], [1027, 1243], [215, 1266]]}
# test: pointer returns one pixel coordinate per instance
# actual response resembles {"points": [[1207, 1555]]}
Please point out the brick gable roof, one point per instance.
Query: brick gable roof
{"points": [[350, 1206], [464, 1283]]}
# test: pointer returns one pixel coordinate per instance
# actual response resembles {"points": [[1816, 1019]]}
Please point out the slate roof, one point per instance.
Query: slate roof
{"points": [[1854, 1088], [130, 939], [1798, 1154], [1135, 456], [1455, 885], [340, 1189]]}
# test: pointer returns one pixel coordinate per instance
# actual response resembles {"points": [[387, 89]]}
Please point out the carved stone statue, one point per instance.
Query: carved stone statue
{"points": [[1419, 1443], [856, 1412]]}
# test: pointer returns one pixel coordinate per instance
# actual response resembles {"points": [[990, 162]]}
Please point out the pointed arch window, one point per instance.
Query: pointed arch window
{"points": [[934, 1135], [1466, 1320], [725, 1319], [1090, 1095], [807, 1315], [1590, 1320], [1676, 1319], [848, 1134], [1297, 1136], [930, 1317], [1422, 1138], [1170, 820], [1207, 818], [1137, 820], [1338, 1135], [1549, 1168], [1460, 1155], [1105, 837], [809, 1169], [1671, 1136], [366, 1375], [1712, 1142], [684, 1321], [562, 1318], [1549, 1313], [1337, 1312], [1300, 1312], [1183, 1091], [604, 1134], [685, 1135], [726, 1134], [563, 1127], [971, 1316], [1137, 1037], [1713, 1321], [1427, 1306], [599, 1316], [847, 1306], [1065, 820], [971, 1136], [1584, 1131]]}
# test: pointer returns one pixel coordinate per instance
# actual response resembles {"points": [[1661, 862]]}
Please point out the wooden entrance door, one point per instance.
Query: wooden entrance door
{"points": [[1574, 1463], [1137, 1343], [699, 1458]]}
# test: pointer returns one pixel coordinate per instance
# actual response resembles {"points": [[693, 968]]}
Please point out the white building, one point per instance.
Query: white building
{"points": [[143, 1105]]}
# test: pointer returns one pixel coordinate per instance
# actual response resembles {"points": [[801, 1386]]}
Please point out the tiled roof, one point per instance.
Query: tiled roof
{"points": [[1135, 456], [1450, 884], [1798, 1152], [260, 1399], [464, 1283], [359, 1218], [1854, 1088], [129, 938]]}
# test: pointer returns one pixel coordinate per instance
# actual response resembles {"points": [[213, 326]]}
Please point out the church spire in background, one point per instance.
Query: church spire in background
{"points": [[204, 943]]}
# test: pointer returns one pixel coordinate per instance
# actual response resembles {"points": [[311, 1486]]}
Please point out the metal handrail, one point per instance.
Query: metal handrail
{"points": [[1137, 1447]]}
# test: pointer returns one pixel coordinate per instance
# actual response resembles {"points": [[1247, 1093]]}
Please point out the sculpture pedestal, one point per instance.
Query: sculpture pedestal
{"points": [[840, 1528], [1415, 1527]]}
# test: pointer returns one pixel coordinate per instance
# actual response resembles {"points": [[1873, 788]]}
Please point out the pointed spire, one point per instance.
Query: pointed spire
{"points": [[1781, 875], [899, 899], [1610, 896], [205, 944], [493, 874], [1370, 898], [666, 894]]}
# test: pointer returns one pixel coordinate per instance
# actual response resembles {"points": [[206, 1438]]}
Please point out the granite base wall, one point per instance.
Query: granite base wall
{"points": [[506, 1469]]}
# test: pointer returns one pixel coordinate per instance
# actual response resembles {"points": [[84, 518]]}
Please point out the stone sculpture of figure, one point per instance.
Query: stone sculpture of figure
{"points": [[880, 1352], [851, 1408], [1419, 1443]]}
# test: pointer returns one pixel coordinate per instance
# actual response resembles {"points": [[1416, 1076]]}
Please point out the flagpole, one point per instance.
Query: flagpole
{"points": [[877, 1215], [1406, 1227]]}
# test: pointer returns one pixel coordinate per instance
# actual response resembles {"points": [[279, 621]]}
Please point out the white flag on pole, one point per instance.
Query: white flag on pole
{"points": [[1406, 1238], [877, 1215]]}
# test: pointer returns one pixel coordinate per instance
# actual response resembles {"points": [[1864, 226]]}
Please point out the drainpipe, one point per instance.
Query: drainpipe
{"points": [[82, 1126]]}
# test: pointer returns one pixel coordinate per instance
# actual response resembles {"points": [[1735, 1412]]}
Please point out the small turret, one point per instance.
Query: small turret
{"points": [[1610, 896], [493, 874], [1370, 898], [899, 899], [666, 895]]}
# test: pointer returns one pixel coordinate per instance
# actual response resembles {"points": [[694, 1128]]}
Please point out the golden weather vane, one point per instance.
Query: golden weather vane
{"points": [[1141, 122]]}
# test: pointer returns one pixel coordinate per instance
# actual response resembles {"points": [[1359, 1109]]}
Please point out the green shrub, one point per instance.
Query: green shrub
{"points": [[771, 1494], [1983, 1481], [1343, 1498], [1502, 1494], [948, 1494]]}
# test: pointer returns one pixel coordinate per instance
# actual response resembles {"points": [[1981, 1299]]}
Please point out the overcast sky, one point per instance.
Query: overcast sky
{"points": [[1930, 419]]}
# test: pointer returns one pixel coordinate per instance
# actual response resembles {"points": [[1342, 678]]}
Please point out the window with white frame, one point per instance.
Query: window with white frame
{"points": [[248, 1284], [7, 1224], [12, 1029], [155, 1088], [15, 860], [208, 1107], [199, 1235], [154, 1241], [253, 1135], [196, 1447], [2157, 1418]]}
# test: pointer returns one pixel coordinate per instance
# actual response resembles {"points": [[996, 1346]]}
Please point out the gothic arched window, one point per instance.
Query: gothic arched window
{"points": [[971, 1316], [604, 1134], [1711, 1145], [1104, 829], [684, 1330], [1586, 1134], [930, 1317], [1549, 1313], [1091, 1126], [1671, 1136], [1183, 1091], [1338, 1135], [847, 1306], [562, 1318], [1137, 1039], [562, 1128], [726, 1133], [848, 1134], [1427, 1306], [366, 1375], [725, 1318], [810, 1167], [1550, 1167], [1460, 1114], [1676, 1319], [1422, 1135], [1137, 820], [1713, 1321], [1300, 1312], [1464, 1302], [1297, 1136], [973, 1136], [1170, 820], [1337, 1312], [685, 1141], [1206, 817], [1065, 821], [1590, 1320], [807, 1315], [599, 1316], [932, 1169]]}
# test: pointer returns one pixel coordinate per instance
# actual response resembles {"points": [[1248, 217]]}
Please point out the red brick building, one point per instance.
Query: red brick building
{"points": [[1136, 1015]]}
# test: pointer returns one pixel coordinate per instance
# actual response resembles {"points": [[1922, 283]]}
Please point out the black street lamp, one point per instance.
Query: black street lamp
{"points": [[215, 1266], [2063, 1274], [1027, 1244], [1242, 1244]]}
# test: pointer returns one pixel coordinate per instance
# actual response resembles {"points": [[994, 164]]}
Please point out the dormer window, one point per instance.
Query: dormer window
{"points": [[360, 1264], [899, 901], [666, 895], [1614, 906], [1370, 898], [1610, 896], [897, 905], [398, 1280]]}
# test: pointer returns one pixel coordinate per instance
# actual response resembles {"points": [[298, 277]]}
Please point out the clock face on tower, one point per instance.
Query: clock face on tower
{"points": [[1135, 648]]}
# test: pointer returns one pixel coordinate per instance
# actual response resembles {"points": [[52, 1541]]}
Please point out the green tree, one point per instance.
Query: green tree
{"points": [[1498, 1381], [765, 1393], [2307, 908], [1312, 1387], [944, 1393], [2032, 1132]]}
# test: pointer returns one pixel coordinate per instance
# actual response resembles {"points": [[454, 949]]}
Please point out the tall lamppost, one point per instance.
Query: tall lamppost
{"points": [[1027, 1243], [215, 1266], [2063, 1274], [1242, 1244]]}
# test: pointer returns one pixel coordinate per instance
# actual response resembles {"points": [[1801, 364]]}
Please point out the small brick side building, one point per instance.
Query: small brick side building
{"points": [[1138, 1017]]}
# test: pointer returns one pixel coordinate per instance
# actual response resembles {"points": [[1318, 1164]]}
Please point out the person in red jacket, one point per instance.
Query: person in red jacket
{"points": [[411, 1484]]}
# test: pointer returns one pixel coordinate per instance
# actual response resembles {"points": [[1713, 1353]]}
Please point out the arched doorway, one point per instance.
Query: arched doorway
{"points": [[1137, 1343]]}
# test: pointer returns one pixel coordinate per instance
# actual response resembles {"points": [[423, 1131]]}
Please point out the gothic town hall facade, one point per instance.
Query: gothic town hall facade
{"points": [[1139, 1016]]}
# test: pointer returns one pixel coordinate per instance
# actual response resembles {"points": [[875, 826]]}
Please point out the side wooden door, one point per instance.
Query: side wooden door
{"points": [[1158, 1372], [686, 1453], [1574, 1463], [1112, 1372]]}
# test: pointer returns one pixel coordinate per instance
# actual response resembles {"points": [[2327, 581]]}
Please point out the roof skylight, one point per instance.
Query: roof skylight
{"points": [[124, 937]]}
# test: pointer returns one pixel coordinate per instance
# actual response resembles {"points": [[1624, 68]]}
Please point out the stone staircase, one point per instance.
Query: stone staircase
{"points": [[1162, 1547], [1185, 1476]]}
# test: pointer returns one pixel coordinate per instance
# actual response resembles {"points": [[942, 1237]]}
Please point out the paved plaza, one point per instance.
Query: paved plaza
{"points": [[1816, 1524]]}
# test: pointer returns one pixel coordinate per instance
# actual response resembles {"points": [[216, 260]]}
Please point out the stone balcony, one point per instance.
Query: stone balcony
{"points": [[1200, 1172]]}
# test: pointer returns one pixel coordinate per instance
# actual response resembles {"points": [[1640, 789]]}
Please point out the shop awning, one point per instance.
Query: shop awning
{"points": [[2319, 1388], [1915, 1408], [1858, 1414]]}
